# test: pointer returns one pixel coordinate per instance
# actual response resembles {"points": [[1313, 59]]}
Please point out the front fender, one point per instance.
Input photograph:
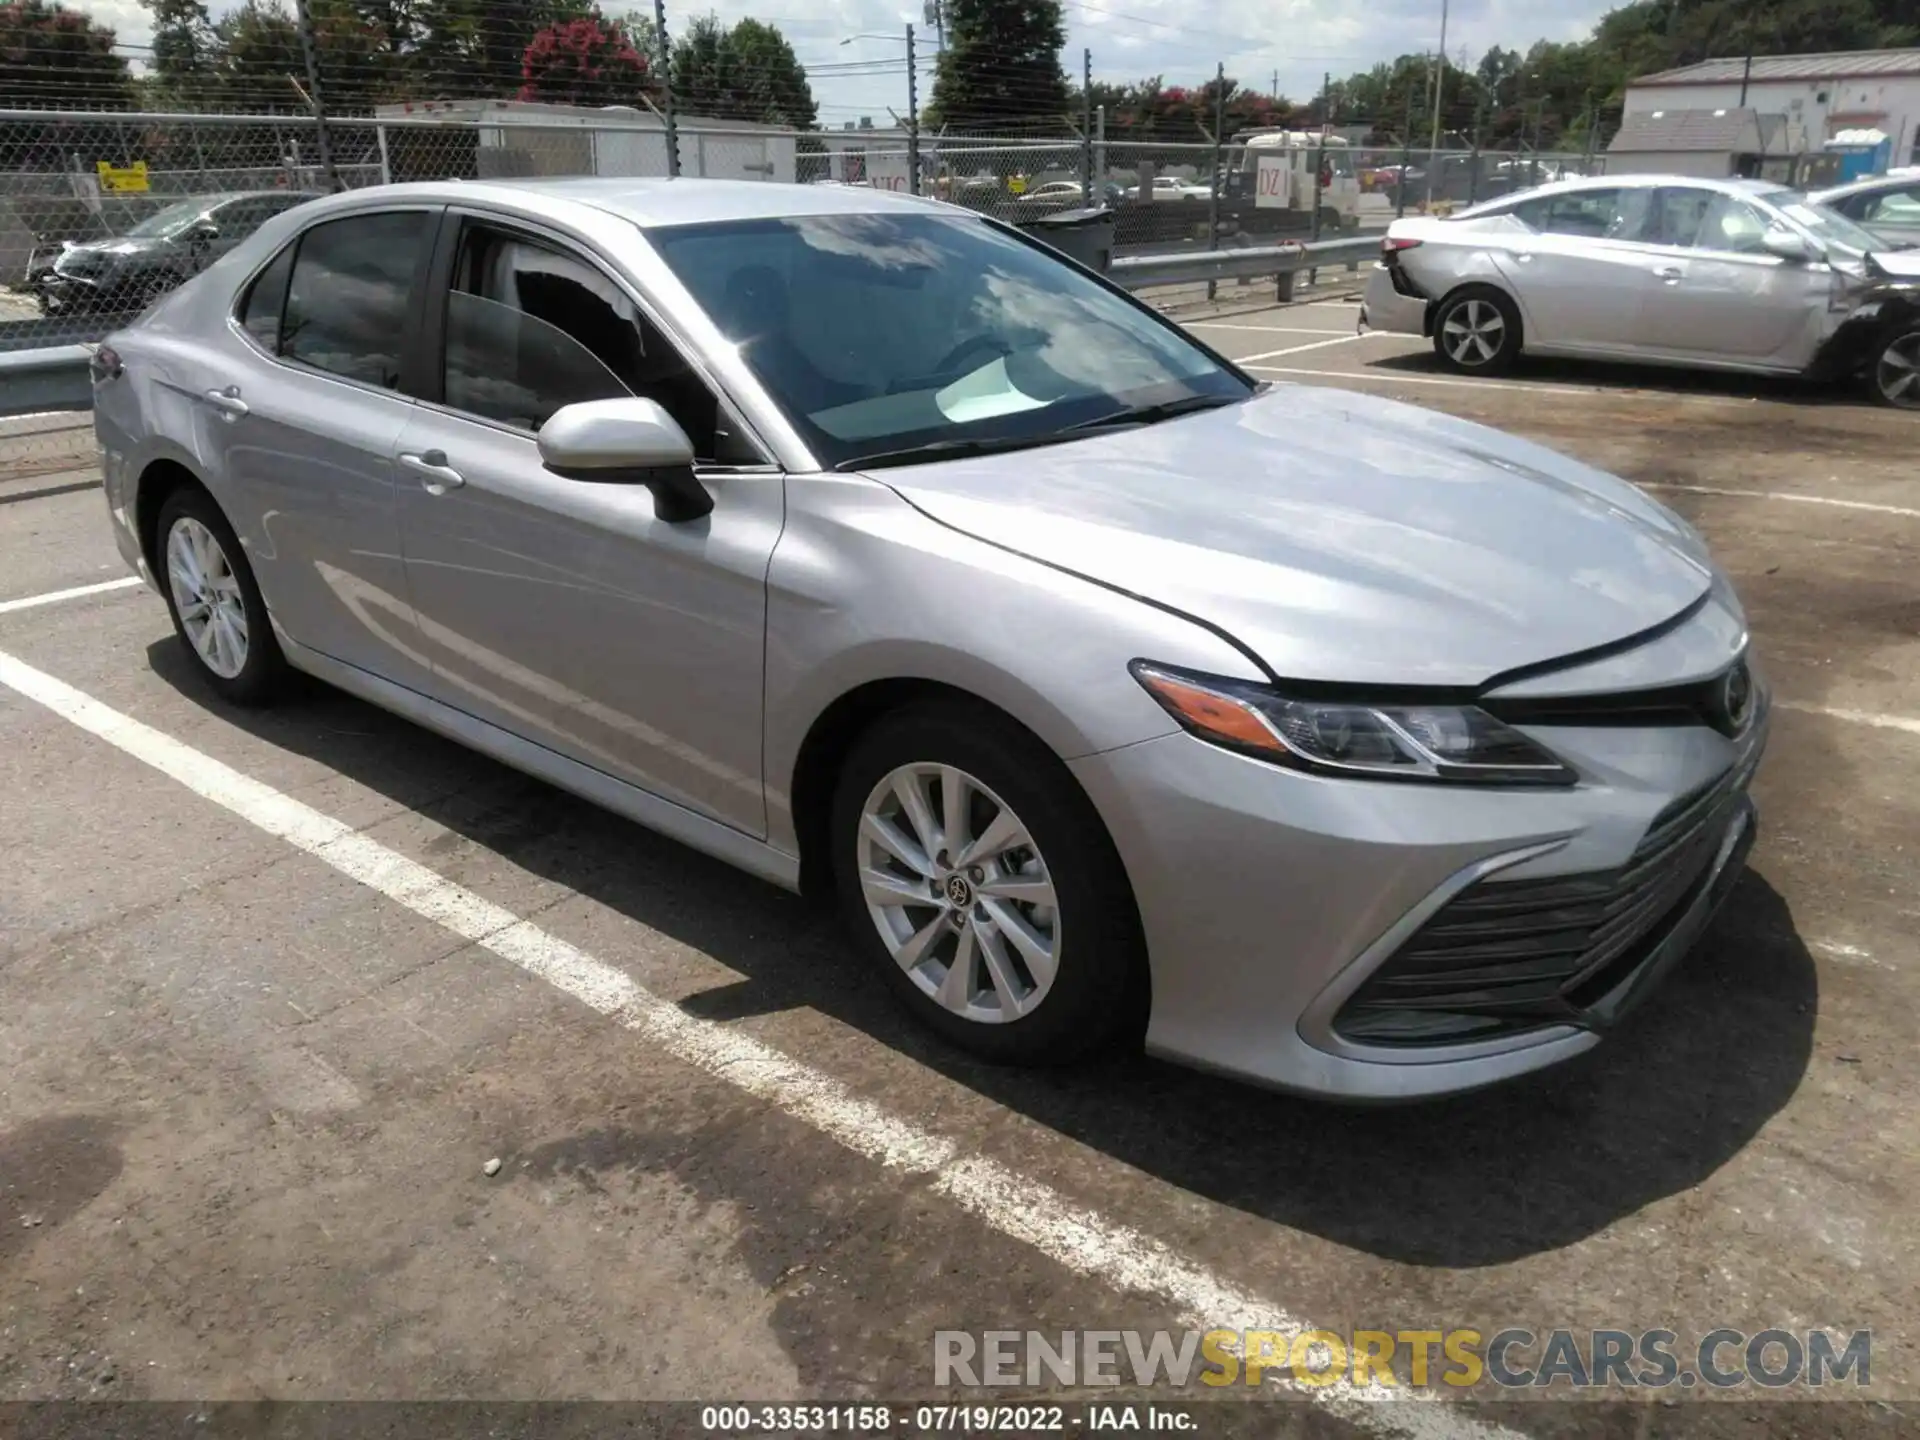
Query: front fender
{"points": [[865, 588], [1884, 312]]}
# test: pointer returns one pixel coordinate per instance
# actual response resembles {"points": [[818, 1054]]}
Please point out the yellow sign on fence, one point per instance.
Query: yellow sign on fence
{"points": [[123, 179]]}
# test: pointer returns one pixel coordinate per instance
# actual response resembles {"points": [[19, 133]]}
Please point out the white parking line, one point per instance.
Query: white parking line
{"points": [[1297, 349], [1797, 499], [1019, 1207], [1263, 329], [1857, 717], [78, 592]]}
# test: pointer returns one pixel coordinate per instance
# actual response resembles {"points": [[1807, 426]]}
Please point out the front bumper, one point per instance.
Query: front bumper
{"points": [[1270, 897]]}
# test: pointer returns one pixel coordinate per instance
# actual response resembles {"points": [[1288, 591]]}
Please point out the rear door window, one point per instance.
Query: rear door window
{"points": [[1599, 214], [347, 302]]}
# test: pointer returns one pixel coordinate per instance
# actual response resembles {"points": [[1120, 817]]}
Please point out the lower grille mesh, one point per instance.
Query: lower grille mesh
{"points": [[1511, 955]]}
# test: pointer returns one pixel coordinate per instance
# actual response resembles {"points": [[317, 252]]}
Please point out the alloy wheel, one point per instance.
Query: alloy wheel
{"points": [[1898, 374], [1474, 332], [959, 892], [206, 593]]}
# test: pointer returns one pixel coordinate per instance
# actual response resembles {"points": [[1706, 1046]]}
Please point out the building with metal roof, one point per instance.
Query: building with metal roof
{"points": [[1839, 65], [1815, 97]]}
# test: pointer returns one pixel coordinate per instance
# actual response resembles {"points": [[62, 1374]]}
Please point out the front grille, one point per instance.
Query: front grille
{"points": [[1512, 955]]}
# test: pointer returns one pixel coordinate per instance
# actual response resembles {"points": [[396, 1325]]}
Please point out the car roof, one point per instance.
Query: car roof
{"points": [[658, 202], [1893, 180], [1576, 183]]}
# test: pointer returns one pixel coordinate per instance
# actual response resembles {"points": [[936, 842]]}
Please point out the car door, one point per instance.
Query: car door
{"points": [[300, 419], [1723, 297], [564, 610], [1582, 272]]}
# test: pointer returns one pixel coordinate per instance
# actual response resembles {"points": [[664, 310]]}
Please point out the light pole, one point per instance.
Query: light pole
{"points": [[1439, 95], [913, 101]]}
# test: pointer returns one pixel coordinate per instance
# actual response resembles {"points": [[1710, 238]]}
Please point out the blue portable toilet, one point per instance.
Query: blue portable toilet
{"points": [[1862, 153]]}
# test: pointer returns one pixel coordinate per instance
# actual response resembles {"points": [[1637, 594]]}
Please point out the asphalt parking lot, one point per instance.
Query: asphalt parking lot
{"points": [[275, 987]]}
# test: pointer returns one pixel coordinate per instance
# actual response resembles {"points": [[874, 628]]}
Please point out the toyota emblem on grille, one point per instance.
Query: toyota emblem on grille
{"points": [[1736, 698]]}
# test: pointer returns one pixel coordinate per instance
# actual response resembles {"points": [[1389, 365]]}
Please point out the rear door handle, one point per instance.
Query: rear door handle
{"points": [[227, 402], [1670, 273], [436, 476]]}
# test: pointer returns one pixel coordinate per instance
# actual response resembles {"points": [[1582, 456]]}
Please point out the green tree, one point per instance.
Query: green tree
{"points": [[184, 50], [748, 72], [52, 57], [1001, 67]]}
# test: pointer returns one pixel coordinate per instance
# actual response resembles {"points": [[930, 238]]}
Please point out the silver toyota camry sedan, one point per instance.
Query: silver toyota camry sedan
{"points": [[872, 547]]}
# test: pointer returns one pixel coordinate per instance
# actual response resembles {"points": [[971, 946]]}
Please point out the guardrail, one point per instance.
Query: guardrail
{"points": [[1244, 262], [51, 378]]}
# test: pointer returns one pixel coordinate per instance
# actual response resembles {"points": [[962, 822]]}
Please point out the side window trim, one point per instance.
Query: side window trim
{"points": [[436, 223], [427, 384]]}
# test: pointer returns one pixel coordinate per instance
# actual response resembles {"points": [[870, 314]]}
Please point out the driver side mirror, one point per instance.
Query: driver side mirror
{"points": [[1787, 245], [204, 230], [627, 441]]}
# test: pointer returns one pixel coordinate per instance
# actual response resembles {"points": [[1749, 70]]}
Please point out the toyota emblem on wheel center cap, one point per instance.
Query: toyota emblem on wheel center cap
{"points": [[959, 892]]}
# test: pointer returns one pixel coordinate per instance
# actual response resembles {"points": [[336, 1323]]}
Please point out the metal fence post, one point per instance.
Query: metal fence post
{"points": [[386, 166], [1213, 181], [1406, 159], [666, 87], [913, 120], [1086, 125], [308, 53]]}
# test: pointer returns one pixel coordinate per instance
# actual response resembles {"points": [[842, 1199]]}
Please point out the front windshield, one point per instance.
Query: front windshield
{"points": [[164, 223], [880, 332], [1824, 223]]}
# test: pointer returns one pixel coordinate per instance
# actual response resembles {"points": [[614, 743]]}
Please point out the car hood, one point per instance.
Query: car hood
{"points": [[1899, 264], [1340, 537]]}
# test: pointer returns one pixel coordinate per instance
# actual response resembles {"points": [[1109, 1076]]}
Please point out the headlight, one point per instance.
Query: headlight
{"points": [[1458, 743]]}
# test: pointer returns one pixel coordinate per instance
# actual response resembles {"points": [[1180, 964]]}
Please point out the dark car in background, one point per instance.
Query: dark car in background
{"points": [[128, 272]]}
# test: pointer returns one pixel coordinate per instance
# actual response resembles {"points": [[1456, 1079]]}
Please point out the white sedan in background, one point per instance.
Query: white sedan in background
{"points": [[1721, 274]]}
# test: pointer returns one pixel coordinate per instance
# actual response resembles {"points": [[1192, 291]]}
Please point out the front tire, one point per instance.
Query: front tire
{"points": [[977, 876], [1895, 378], [1477, 332], [218, 611]]}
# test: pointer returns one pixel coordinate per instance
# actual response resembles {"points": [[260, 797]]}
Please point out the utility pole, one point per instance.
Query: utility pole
{"points": [[1086, 126], [1746, 76], [321, 138], [913, 118], [666, 87], [1275, 91], [1439, 97]]}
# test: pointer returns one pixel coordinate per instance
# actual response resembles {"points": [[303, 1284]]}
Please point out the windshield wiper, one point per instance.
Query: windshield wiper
{"points": [[949, 450], [1151, 414]]}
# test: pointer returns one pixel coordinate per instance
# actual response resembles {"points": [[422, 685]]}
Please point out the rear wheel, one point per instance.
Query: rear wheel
{"points": [[1896, 373], [1477, 332], [978, 878]]}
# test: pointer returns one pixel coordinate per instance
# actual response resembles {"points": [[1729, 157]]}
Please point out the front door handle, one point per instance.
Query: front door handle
{"points": [[227, 402], [1671, 274], [436, 476]]}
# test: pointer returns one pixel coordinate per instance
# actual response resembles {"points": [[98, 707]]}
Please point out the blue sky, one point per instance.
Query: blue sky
{"points": [[1130, 39]]}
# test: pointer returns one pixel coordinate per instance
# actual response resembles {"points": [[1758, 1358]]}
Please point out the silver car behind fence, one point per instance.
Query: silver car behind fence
{"points": [[868, 545]]}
